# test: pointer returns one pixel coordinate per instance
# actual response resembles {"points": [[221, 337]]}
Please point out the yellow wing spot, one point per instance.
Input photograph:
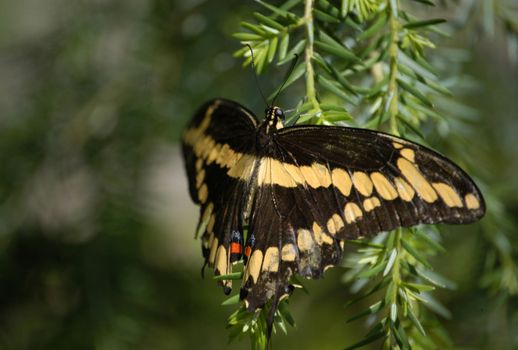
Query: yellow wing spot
{"points": [[243, 168], [208, 211], [331, 226], [352, 212], [213, 248], [208, 115], [272, 171], [448, 194], [226, 157], [210, 225], [320, 235], [211, 239], [362, 183], [304, 240], [203, 192], [327, 239], [295, 173], [334, 224], [371, 203], [231, 158], [254, 264], [405, 191], [397, 145], [309, 175], [214, 153], [323, 174], [221, 260], [200, 177], [206, 121], [408, 154], [416, 179], [204, 146], [317, 232], [205, 219], [471, 201], [279, 175], [199, 164], [271, 259], [383, 186], [342, 181], [288, 252], [263, 174], [192, 135]]}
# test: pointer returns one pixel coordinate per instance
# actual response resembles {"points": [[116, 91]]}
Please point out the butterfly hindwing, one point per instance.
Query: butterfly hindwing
{"points": [[216, 147], [287, 246]]}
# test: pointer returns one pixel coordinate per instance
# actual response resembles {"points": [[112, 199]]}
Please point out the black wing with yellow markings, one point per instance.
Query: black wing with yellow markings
{"points": [[303, 190], [214, 145]]}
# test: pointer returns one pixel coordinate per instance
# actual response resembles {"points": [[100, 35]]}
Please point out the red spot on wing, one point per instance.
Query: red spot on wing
{"points": [[236, 248], [248, 251]]}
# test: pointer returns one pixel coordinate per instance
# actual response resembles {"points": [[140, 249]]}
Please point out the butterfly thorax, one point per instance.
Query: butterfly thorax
{"points": [[273, 121]]}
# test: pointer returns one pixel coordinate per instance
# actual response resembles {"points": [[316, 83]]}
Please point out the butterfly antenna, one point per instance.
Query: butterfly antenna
{"points": [[255, 74], [292, 67]]}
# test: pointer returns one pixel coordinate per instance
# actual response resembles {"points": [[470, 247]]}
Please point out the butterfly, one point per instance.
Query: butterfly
{"points": [[285, 199]]}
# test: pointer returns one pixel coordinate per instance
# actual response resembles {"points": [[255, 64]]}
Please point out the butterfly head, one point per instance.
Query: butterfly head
{"points": [[274, 118]]}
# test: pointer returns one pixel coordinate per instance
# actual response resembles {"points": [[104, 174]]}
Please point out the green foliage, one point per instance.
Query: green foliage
{"points": [[370, 63], [395, 275], [243, 322], [494, 18]]}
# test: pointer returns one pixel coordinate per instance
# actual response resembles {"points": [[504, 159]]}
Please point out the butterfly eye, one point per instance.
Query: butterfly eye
{"points": [[279, 113]]}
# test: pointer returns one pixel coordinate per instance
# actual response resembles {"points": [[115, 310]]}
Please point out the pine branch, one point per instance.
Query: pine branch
{"points": [[308, 58], [392, 96]]}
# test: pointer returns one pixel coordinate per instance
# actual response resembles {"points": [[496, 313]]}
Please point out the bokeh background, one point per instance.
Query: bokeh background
{"points": [[96, 226]]}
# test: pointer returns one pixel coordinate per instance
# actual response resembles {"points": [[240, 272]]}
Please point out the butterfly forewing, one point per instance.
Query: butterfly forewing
{"points": [[401, 182]]}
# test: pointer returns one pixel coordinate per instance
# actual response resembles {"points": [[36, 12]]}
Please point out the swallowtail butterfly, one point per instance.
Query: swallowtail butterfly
{"points": [[284, 199]]}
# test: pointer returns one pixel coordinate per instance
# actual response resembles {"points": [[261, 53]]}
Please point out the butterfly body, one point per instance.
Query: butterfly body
{"points": [[285, 199]]}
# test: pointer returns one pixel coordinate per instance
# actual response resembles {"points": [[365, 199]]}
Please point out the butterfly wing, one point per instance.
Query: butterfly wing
{"points": [[216, 147], [319, 185]]}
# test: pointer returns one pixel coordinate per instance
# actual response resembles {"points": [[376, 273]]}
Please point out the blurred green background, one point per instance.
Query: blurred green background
{"points": [[96, 226]]}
